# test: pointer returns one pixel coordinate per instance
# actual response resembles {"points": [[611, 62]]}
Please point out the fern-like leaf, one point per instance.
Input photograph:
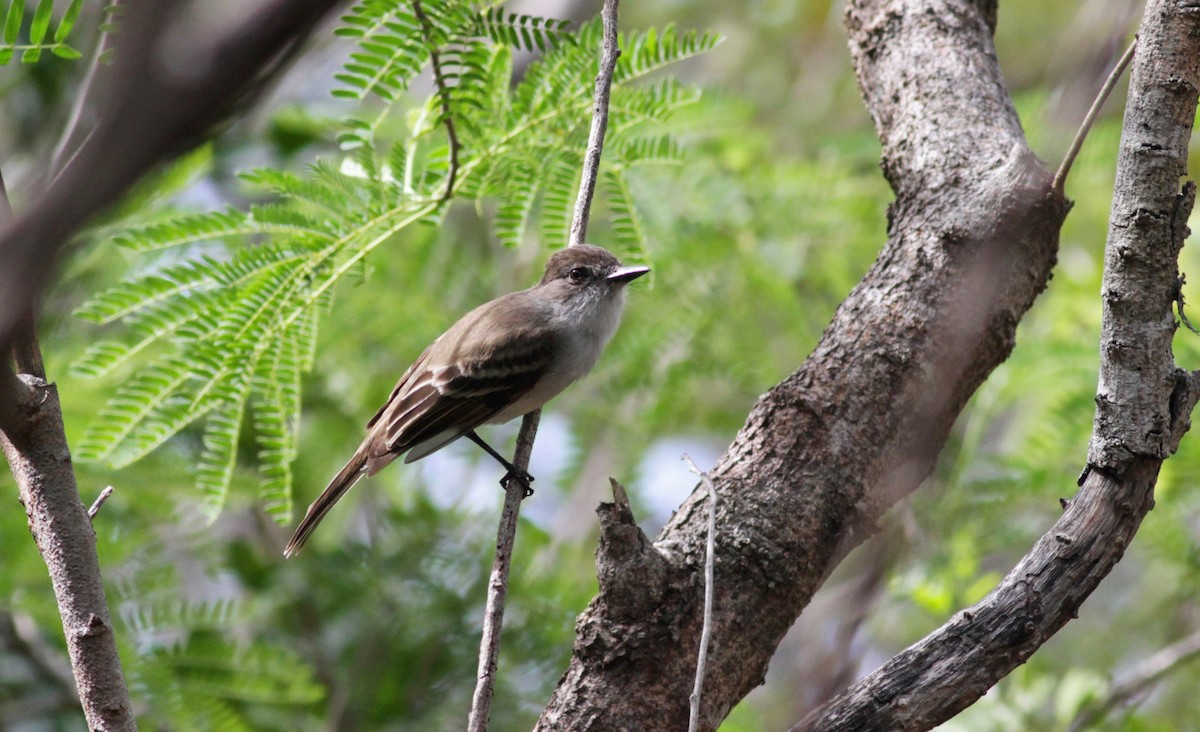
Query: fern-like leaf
{"points": [[526, 32], [222, 340], [626, 223]]}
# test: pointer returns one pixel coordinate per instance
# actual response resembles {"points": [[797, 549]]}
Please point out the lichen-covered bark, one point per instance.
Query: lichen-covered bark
{"points": [[972, 238]]}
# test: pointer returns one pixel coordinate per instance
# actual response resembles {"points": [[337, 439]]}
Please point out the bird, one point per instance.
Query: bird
{"points": [[500, 361]]}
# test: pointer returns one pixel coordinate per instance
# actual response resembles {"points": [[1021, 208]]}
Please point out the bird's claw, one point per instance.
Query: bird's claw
{"points": [[520, 475]]}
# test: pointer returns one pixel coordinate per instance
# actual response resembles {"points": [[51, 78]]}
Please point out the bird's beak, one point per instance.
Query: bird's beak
{"points": [[623, 275]]}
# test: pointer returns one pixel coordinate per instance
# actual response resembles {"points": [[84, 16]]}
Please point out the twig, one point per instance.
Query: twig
{"points": [[443, 94], [99, 503], [1142, 677], [706, 629], [591, 161], [1060, 178], [493, 617], [1183, 318]]}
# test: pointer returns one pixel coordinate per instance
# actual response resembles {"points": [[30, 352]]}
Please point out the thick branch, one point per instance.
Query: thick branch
{"points": [[972, 240], [1143, 407], [152, 105], [41, 463], [1146, 231]]}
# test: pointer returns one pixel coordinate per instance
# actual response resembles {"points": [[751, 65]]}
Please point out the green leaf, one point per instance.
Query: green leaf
{"points": [[68, 21], [12, 22], [223, 340], [62, 50], [6, 55], [41, 21], [31, 55], [217, 461]]}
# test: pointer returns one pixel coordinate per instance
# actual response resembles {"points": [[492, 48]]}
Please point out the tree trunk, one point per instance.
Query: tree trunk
{"points": [[972, 238]]}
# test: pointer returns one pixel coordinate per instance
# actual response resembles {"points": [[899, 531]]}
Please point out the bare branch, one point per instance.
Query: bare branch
{"points": [[591, 162], [972, 239], [41, 464], [515, 491], [83, 95], [1060, 178], [99, 502], [1143, 407], [1142, 677], [706, 628]]}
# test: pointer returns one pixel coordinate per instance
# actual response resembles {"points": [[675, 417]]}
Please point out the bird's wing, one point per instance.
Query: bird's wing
{"points": [[451, 390]]}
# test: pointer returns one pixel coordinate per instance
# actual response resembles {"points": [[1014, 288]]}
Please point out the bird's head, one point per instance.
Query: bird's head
{"points": [[591, 271]]}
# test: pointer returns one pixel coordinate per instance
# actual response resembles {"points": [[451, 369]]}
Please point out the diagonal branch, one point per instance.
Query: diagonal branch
{"points": [[151, 106], [972, 239], [1143, 408], [1142, 677]]}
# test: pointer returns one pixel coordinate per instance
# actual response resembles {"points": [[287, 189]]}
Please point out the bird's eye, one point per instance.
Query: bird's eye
{"points": [[577, 274]]}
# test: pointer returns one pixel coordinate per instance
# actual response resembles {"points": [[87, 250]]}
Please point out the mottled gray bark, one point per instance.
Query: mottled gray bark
{"points": [[36, 447], [1143, 408], [168, 86], [972, 239]]}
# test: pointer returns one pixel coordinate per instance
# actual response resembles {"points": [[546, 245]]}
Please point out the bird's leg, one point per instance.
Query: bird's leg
{"points": [[513, 470]]}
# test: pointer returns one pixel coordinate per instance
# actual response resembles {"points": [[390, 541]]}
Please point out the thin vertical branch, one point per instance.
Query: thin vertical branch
{"points": [[493, 618], [706, 627], [591, 162], [515, 491]]}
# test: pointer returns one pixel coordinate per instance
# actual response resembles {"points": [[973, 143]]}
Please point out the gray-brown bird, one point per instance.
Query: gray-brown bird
{"points": [[502, 360]]}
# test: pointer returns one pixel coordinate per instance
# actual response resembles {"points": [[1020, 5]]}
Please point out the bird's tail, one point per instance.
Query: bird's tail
{"points": [[337, 487]]}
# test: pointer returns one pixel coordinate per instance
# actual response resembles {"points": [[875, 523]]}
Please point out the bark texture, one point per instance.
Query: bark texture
{"points": [[1143, 408], [171, 81], [972, 238], [36, 448], [1147, 226]]}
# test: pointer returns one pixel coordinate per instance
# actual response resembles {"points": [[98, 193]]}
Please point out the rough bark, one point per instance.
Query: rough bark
{"points": [[1143, 408], [36, 448], [1146, 229], [972, 239], [169, 85]]}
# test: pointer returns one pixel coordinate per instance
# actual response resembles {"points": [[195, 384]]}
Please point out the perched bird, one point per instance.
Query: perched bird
{"points": [[502, 360]]}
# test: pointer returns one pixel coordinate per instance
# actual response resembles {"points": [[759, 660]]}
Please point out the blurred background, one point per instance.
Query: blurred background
{"points": [[755, 238]]}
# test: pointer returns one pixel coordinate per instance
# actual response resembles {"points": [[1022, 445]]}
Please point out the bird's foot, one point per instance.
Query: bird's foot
{"points": [[522, 477]]}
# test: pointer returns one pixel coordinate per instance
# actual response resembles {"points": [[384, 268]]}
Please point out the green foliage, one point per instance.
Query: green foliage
{"points": [[763, 205], [222, 338], [39, 28], [186, 658]]}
